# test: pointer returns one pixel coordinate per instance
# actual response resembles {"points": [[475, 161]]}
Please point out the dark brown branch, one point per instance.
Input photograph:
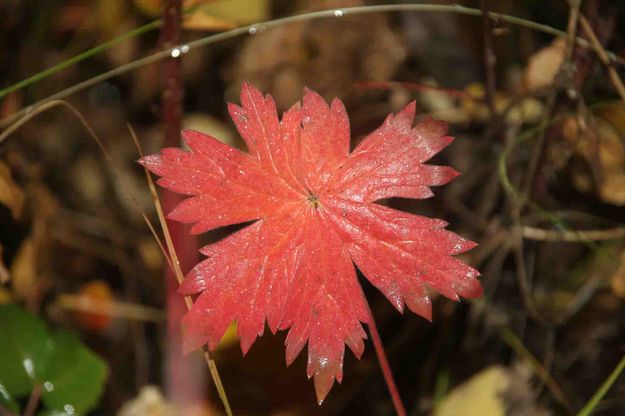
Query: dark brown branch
{"points": [[490, 58], [172, 92]]}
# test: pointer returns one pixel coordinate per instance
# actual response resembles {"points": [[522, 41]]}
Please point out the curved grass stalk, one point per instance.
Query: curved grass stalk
{"points": [[80, 57], [257, 28], [87, 54]]}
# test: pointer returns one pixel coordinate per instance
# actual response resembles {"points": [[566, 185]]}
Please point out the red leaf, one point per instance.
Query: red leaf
{"points": [[313, 203]]}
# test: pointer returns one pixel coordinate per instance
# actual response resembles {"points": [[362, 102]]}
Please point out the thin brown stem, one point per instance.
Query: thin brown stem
{"points": [[400, 409], [183, 382], [603, 56], [115, 309], [537, 154], [515, 343], [33, 400], [518, 204], [572, 236], [523, 280], [188, 301], [172, 76], [490, 59]]}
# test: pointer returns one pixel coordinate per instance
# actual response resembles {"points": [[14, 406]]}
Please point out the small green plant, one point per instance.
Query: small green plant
{"points": [[51, 365]]}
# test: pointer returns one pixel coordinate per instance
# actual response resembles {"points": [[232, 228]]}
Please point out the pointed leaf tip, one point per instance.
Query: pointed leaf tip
{"points": [[323, 382]]}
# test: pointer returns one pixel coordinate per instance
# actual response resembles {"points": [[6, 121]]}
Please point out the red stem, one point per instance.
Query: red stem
{"points": [[33, 401], [185, 376], [172, 92], [384, 365]]}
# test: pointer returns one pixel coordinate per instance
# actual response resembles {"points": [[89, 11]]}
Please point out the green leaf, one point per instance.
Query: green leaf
{"points": [[23, 338], [7, 401], [70, 375], [74, 376]]}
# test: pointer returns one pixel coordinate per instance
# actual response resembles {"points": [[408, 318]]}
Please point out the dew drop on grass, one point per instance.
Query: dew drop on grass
{"points": [[29, 367]]}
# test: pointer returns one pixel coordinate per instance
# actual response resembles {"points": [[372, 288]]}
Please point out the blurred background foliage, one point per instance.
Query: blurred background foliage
{"points": [[539, 126]]}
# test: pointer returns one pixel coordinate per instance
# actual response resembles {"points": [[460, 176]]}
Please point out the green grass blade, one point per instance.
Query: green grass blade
{"points": [[78, 58], [603, 390]]}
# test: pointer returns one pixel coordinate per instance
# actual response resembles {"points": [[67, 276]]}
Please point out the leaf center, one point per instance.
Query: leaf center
{"points": [[314, 200]]}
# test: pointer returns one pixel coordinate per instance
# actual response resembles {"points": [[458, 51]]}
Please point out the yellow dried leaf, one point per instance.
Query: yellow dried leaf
{"points": [[5, 296], [618, 279], [481, 395], [528, 110], [201, 20], [150, 253], [543, 66], [24, 270], [233, 12], [230, 337], [4, 272], [238, 11], [613, 188], [10, 194], [151, 8], [614, 113], [601, 145], [212, 126], [149, 402]]}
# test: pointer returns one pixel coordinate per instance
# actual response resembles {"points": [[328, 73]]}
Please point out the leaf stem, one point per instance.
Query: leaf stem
{"points": [[400, 409], [33, 400]]}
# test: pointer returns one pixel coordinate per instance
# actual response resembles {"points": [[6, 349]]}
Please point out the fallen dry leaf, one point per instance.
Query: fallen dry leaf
{"points": [[24, 270], [237, 11], [201, 20], [95, 292], [211, 126], [543, 66], [149, 402], [481, 395], [5, 296], [11, 195], [617, 281], [212, 15], [495, 391], [600, 144], [4, 272]]}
